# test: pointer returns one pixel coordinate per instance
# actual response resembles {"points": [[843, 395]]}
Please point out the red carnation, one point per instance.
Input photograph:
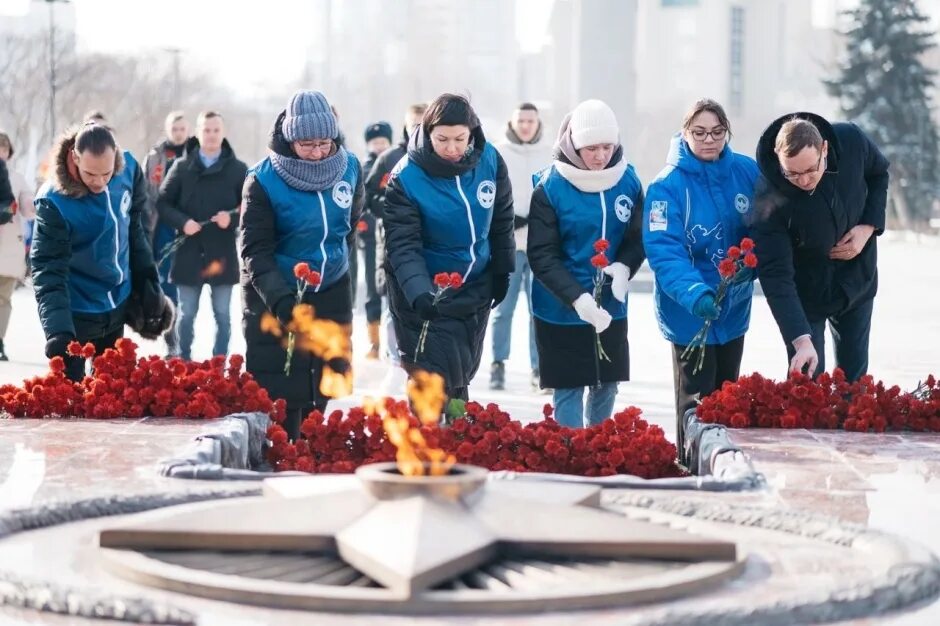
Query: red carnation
{"points": [[601, 245], [734, 252], [74, 348], [726, 268], [302, 271], [456, 280], [313, 278], [362, 226], [750, 260], [599, 260], [57, 364], [442, 280], [747, 244]]}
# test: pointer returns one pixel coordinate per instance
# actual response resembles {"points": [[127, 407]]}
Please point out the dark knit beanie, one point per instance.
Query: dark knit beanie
{"points": [[379, 129]]}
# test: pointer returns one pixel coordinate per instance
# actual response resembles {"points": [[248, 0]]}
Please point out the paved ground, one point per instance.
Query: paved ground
{"points": [[890, 481]]}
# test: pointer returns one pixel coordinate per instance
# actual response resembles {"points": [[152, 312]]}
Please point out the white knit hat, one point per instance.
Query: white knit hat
{"points": [[593, 122]]}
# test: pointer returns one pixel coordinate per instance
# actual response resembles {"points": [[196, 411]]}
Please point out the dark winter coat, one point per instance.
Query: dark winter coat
{"points": [[6, 189], [265, 285], [795, 230], [191, 191], [90, 251], [442, 216], [376, 176], [157, 163], [559, 250]]}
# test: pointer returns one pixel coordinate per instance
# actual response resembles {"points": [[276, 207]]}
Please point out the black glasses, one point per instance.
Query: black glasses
{"points": [[796, 175], [718, 133]]}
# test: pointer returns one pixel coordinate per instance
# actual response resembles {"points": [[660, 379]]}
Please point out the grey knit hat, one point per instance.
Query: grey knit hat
{"points": [[309, 117]]}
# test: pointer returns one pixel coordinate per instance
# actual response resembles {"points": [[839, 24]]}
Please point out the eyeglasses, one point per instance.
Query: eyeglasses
{"points": [[310, 146], [718, 133], [796, 175]]}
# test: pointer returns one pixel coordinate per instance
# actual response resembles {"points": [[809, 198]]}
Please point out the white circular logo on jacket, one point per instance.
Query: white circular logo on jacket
{"points": [[486, 194], [741, 203], [126, 203], [623, 207], [342, 194]]}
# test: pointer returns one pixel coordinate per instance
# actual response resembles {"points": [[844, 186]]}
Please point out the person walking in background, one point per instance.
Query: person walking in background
{"points": [[16, 205], [820, 200], [525, 153], [695, 210], [92, 266], [378, 139], [306, 168], [448, 208], [589, 194], [200, 197], [157, 163], [376, 185]]}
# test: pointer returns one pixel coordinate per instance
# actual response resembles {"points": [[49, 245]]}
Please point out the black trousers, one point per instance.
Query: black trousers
{"points": [[721, 363], [850, 333], [100, 329]]}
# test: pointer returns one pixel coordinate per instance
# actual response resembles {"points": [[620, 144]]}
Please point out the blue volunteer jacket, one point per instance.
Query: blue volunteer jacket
{"points": [[311, 226], [583, 218], [694, 211]]}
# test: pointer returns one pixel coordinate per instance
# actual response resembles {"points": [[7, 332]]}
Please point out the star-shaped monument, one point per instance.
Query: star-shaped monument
{"points": [[410, 534]]}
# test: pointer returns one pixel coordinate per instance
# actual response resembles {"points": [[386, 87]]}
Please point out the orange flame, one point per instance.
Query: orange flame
{"points": [[214, 268], [414, 456]]}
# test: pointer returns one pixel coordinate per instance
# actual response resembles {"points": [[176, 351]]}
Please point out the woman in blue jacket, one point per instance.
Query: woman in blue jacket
{"points": [[91, 261], [298, 205], [695, 210], [448, 208], [590, 192]]}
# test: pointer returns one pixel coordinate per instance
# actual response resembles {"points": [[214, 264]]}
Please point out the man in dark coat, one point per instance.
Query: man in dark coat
{"points": [[200, 197], [820, 200]]}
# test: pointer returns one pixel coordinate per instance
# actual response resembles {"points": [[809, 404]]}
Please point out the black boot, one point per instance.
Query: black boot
{"points": [[497, 376], [3, 352], [292, 420]]}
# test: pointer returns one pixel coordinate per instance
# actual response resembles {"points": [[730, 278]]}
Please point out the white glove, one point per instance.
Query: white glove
{"points": [[620, 282], [805, 356], [589, 312]]}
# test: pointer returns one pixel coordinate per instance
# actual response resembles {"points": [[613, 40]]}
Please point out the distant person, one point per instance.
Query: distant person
{"points": [[306, 168], [448, 208], [92, 265], [695, 210], [821, 205], [378, 138], [526, 153], [16, 206], [589, 193], [200, 198], [376, 184], [157, 163]]}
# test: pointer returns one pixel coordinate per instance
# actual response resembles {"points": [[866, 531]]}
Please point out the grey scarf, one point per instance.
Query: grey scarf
{"points": [[311, 175]]}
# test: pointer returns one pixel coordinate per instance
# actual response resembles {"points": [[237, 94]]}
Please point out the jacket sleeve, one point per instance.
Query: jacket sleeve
{"points": [[502, 241], [238, 184], [403, 242], [543, 248], [666, 248], [258, 242], [49, 263], [876, 178], [631, 252], [6, 189], [774, 250], [153, 187], [355, 213], [169, 195], [374, 185], [141, 254]]}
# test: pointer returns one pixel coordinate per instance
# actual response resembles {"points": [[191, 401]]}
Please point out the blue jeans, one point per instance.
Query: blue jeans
{"points": [[189, 307], [570, 410], [502, 317]]}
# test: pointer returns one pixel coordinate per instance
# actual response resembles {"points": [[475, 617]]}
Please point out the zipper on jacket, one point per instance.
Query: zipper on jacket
{"points": [[326, 232], [117, 244], [473, 230]]}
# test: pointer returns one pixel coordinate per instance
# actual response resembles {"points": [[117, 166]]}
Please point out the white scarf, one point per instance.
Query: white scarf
{"points": [[592, 181]]}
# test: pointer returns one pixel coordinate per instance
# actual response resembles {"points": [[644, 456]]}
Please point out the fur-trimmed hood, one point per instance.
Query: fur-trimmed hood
{"points": [[65, 178]]}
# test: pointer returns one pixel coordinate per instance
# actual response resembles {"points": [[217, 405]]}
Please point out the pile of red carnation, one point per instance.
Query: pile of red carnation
{"points": [[487, 437], [124, 386], [828, 402]]}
